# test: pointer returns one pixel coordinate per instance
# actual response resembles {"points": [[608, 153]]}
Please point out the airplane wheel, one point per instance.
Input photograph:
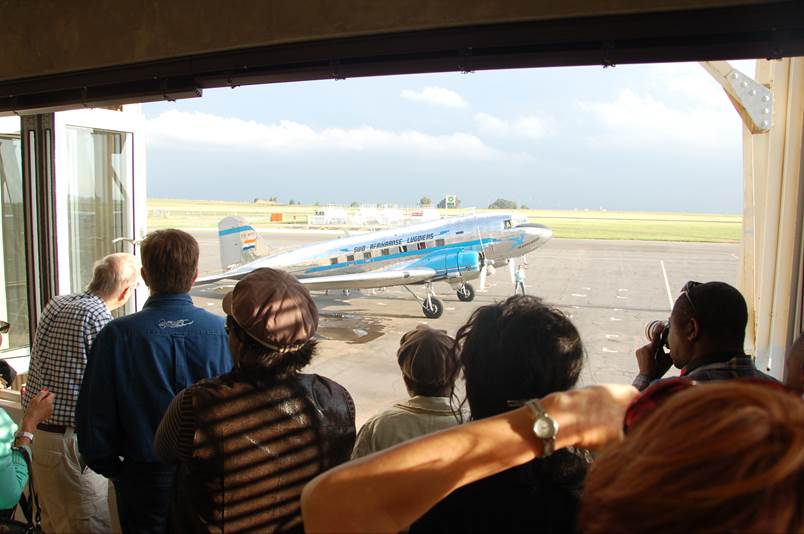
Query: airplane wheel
{"points": [[466, 293], [434, 310]]}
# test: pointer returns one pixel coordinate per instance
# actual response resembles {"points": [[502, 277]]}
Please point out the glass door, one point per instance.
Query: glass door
{"points": [[98, 199], [13, 276], [100, 196]]}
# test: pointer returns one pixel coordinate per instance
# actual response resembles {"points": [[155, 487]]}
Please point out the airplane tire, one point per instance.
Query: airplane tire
{"points": [[435, 309], [466, 293]]}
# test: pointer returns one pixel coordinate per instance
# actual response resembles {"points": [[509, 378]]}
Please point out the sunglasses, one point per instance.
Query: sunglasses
{"points": [[687, 292], [4, 327], [653, 397]]}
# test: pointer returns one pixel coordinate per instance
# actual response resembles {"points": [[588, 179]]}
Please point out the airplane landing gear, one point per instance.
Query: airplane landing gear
{"points": [[466, 293], [432, 307]]}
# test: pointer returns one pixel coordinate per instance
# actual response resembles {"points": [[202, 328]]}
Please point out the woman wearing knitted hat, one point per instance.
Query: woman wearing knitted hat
{"points": [[429, 366], [249, 440]]}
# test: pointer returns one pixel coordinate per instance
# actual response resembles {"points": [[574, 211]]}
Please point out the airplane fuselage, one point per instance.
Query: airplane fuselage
{"points": [[495, 236]]}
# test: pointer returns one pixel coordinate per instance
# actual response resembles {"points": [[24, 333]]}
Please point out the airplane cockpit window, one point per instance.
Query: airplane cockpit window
{"points": [[507, 224]]}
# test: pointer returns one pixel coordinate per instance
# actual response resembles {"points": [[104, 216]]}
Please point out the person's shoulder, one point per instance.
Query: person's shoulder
{"points": [[201, 315], [392, 416], [323, 384]]}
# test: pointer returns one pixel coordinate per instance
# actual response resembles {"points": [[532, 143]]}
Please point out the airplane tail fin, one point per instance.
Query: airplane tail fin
{"points": [[239, 242]]}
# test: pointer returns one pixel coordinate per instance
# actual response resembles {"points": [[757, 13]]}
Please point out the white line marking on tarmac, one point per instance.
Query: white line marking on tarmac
{"points": [[621, 289], [618, 309], [621, 297], [587, 288], [667, 285], [380, 304], [578, 295], [449, 309], [615, 319], [609, 350], [612, 336]]}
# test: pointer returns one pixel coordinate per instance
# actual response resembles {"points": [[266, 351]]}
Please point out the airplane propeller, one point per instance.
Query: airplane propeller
{"points": [[485, 264]]}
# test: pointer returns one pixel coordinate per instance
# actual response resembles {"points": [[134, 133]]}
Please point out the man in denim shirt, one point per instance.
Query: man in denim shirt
{"points": [[135, 368]]}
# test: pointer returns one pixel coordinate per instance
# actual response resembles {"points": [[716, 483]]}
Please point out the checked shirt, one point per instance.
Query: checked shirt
{"points": [[68, 326]]}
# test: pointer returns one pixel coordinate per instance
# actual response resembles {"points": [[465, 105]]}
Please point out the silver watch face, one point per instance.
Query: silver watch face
{"points": [[545, 428]]}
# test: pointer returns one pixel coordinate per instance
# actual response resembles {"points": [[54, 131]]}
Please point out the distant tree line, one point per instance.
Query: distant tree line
{"points": [[504, 204]]}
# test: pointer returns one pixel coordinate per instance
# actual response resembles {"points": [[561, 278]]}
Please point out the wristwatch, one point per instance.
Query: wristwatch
{"points": [[544, 427], [26, 435]]}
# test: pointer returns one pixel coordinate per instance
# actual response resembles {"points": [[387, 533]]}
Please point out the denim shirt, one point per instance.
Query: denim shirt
{"points": [[136, 367]]}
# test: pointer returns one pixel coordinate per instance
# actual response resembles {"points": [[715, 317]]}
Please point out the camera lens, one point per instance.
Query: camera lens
{"points": [[656, 331]]}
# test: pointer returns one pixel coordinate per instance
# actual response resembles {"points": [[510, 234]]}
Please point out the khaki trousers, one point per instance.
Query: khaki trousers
{"points": [[73, 498]]}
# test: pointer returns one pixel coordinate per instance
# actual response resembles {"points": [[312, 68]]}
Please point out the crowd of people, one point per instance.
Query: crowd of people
{"points": [[209, 424]]}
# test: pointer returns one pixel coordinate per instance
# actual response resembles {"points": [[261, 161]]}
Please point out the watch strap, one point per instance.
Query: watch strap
{"points": [[539, 413], [27, 435]]}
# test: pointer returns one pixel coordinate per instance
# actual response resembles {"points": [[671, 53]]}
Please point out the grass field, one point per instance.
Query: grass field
{"points": [[653, 226]]}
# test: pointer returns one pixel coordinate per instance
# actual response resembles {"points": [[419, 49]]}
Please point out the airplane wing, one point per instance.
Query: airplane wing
{"points": [[370, 279], [228, 275], [343, 281]]}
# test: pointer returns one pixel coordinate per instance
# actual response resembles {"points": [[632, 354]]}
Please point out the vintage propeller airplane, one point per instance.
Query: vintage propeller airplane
{"points": [[453, 250]]}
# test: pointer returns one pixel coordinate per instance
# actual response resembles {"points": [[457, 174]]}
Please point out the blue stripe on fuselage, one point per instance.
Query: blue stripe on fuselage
{"points": [[409, 253], [236, 230]]}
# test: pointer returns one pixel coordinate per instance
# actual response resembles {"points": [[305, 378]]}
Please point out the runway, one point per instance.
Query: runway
{"points": [[610, 290]]}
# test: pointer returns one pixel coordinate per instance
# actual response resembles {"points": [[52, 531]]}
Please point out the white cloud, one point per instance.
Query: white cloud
{"points": [[640, 120], [528, 126], [201, 131], [436, 96]]}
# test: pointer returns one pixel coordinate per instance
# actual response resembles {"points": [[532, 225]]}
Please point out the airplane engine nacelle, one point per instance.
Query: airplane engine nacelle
{"points": [[468, 261], [452, 264]]}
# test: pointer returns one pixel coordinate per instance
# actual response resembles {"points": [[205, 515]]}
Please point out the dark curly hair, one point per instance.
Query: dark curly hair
{"points": [[516, 350]]}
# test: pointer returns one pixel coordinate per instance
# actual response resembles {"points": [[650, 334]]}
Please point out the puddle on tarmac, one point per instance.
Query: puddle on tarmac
{"points": [[349, 328]]}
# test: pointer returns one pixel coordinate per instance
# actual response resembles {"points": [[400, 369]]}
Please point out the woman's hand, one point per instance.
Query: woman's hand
{"points": [[39, 409], [590, 417]]}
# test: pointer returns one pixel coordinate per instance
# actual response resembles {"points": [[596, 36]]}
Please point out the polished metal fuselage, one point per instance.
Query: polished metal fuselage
{"points": [[494, 236]]}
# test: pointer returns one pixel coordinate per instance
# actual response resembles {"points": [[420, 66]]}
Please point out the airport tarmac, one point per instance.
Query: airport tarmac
{"points": [[610, 290]]}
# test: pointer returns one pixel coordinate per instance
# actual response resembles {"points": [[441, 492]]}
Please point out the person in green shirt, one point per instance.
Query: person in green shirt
{"points": [[13, 469]]}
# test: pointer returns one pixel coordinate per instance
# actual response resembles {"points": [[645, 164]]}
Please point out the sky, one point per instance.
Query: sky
{"points": [[658, 137]]}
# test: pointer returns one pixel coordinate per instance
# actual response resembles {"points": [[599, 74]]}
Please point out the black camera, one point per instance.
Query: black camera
{"points": [[657, 332]]}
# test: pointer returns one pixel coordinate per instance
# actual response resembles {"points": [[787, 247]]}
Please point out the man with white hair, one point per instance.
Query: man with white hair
{"points": [[73, 497]]}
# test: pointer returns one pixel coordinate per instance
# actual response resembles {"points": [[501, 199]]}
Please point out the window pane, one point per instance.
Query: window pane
{"points": [[98, 198], [14, 278]]}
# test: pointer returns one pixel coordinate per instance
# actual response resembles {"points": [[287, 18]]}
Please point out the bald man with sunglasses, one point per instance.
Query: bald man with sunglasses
{"points": [[706, 338]]}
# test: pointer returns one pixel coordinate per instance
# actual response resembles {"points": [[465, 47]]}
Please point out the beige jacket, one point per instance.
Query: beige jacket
{"points": [[405, 420]]}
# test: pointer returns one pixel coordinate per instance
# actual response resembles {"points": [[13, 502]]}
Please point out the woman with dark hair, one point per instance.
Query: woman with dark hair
{"points": [[511, 352], [724, 456], [429, 366]]}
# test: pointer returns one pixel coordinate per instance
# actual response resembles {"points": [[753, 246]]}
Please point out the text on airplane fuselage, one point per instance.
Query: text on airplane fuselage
{"points": [[395, 242]]}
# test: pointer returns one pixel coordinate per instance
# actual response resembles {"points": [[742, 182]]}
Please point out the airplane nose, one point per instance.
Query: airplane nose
{"points": [[540, 231]]}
